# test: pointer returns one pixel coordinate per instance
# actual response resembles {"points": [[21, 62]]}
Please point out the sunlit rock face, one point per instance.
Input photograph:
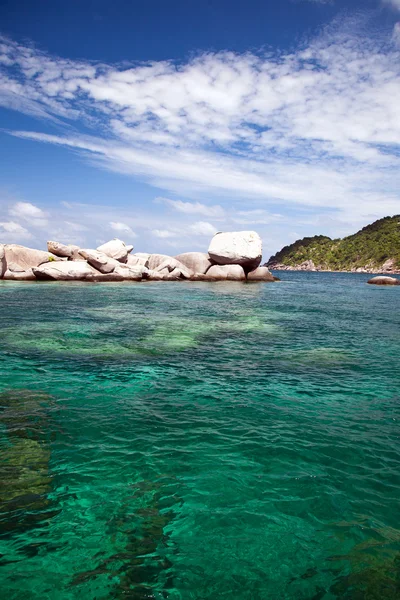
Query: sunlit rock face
{"points": [[99, 260], [116, 249], [260, 274], [197, 262], [62, 250], [236, 248], [226, 272], [64, 271]]}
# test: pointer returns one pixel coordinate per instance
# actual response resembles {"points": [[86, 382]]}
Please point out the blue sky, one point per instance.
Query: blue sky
{"points": [[164, 122]]}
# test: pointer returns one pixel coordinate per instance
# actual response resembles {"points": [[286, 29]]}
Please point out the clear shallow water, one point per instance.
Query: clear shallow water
{"points": [[200, 441]]}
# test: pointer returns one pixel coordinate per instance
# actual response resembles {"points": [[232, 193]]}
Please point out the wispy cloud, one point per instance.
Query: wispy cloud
{"points": [[193, 208], [315, 128], [393, 3]]}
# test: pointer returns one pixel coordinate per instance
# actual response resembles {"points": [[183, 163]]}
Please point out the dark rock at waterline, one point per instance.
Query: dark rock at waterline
{"points": [[384, 280]]}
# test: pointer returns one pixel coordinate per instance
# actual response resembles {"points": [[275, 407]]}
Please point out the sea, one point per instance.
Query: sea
{"points": [[200, 441]]}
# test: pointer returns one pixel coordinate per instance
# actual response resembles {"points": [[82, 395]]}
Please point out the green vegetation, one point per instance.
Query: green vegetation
{"points": [[370, 247]]}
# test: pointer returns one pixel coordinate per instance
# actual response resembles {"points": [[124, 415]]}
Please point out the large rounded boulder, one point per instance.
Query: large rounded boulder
{"points": [[116, 249], [236, 248], [62, 250], [197, 262], [384, 280], [23, 258], [226, 272], [64, 271], [260, 274]]}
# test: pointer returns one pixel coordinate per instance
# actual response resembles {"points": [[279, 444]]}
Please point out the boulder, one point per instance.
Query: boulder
{"points": [[19, 275], [26, 258], [236, 248], [62, 250], [197, 262], [3, 263], [155, 275], [116, 249], [260, 274], [384, 280], [140, 258], [132, 273], [155, 260], [223, 272], [171, 264], [100, 261], [64, 271]]}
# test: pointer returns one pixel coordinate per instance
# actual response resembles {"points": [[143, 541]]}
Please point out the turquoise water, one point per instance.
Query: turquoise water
{"points": [[200, 441]]}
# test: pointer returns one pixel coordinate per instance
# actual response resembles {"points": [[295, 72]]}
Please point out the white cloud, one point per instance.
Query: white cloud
{"points": [[164, 233], [29, 212], [203, 228], [12, 227], [393, 3], [193, 208], [316, 128], [117, 226]]}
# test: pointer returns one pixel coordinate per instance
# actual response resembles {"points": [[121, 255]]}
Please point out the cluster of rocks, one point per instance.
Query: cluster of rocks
{"points": [[384, 280], [231, 256], [388, 266]]}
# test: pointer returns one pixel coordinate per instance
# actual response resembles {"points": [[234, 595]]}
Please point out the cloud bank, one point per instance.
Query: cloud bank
{"points": [[315, 130]]}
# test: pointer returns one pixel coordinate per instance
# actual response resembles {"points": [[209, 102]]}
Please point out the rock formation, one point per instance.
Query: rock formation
{"points": [[231, 272], [384, 280], [197, 262], [236, 248], [116, 249], [233, 256]]}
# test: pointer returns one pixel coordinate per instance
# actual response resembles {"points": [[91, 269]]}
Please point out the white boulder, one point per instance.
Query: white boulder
{"points": [[3, 263], [196, 262], [116, 249], [62, 250], [260, 274], [155, 260], [64, 271], [132, 273], [171, 264], [236, 247], [25, 258], [100, 261], [223, 272], [140, 258]]}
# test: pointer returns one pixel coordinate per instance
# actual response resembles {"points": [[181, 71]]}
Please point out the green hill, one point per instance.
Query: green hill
{"points": [[369, 249]]}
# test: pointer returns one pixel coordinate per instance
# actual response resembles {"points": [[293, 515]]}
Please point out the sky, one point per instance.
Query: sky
{"points": [[162, 122]]}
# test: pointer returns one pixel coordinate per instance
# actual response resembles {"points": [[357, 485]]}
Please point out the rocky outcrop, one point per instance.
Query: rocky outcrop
{"points": [[62, 250], [196, 262], [236, 248], [25, 258], [19, 274], [140, 258], [116, 249], [100, 261], [136, 273], [155, 260], [260, 274], [226, 272], [170, 265], [64, 271], [384, 280], [3, 263]]}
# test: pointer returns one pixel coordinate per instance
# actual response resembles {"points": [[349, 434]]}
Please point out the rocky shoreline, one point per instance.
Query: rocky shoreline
{"points": [[387, 268], [231, 256]]}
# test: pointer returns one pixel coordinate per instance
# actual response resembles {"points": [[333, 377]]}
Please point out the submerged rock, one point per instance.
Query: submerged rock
{"points": [[226, 272], [236, 248], [116, 249], [197, 262], [384, 280], [64, 271]]}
